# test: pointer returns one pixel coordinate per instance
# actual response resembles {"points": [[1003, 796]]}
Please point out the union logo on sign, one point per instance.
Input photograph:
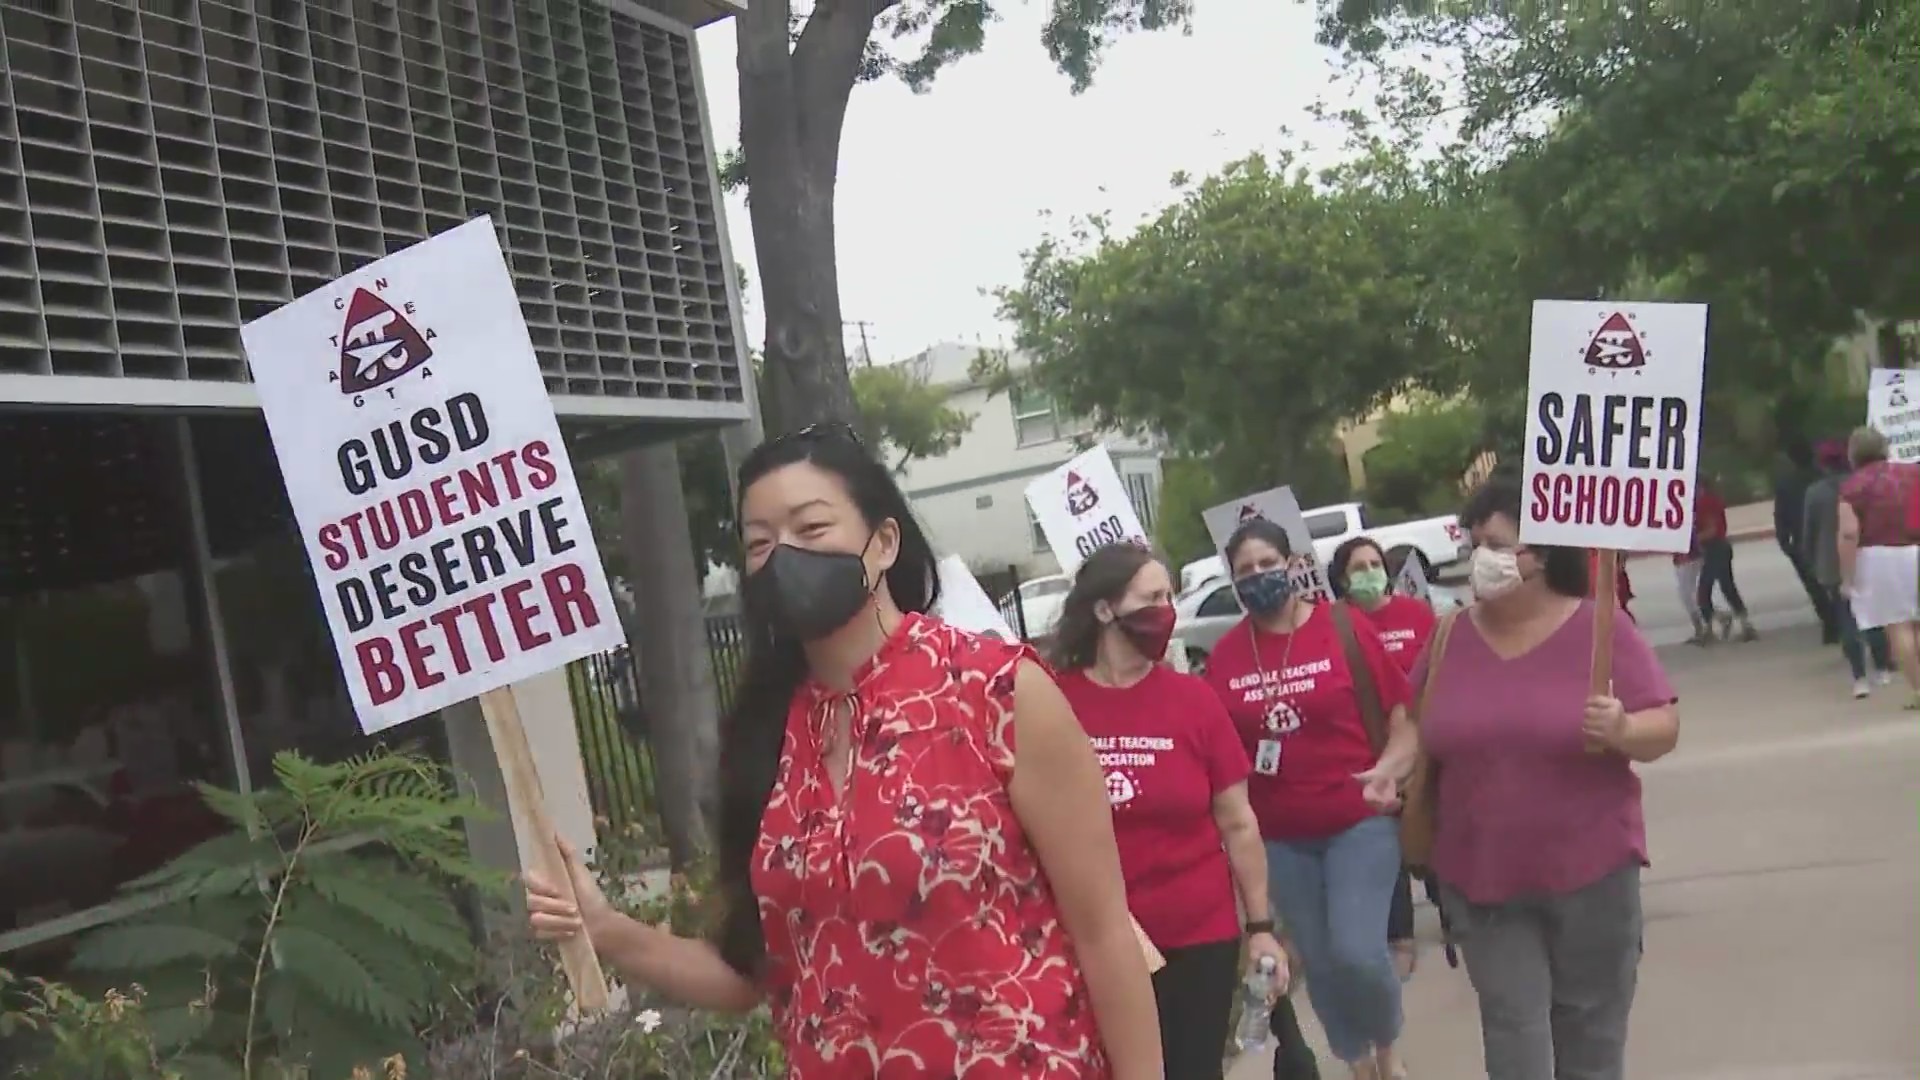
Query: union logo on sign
{"points": [[1249, 512], [1616, 347], [378, 344], [1080, 495]]}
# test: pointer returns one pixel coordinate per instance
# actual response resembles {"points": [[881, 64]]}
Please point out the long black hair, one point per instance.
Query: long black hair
{"points": [[1104, 576], [1262, 530], [753, 731], [1565, 568]]}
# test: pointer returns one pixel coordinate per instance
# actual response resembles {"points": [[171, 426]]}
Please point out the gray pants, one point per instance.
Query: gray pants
{"points": [[1555, 976]]}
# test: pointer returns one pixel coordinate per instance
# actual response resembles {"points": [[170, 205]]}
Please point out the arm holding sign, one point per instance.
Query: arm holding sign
{"points": [[1847, 544], [1060, 795], [688, 970], [1641, 721]]}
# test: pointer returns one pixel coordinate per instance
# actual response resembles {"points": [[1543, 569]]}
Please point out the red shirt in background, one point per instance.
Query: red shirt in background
{"points": [[1709, 516], [1880, 495], [1301, 697], [1405, 624], [1167, 748]]}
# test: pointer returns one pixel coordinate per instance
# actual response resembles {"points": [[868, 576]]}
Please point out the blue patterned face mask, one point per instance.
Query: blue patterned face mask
{"points": [[1264, 592]]}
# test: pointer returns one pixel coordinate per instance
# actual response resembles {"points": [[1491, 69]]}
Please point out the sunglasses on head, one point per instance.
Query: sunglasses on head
{"points": [[825, 431]]}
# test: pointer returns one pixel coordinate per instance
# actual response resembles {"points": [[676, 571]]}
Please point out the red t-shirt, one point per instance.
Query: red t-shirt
{"points": [[1167, 748], [1405, 624], [1879, 494], [1301, 699], [1709, 516]]}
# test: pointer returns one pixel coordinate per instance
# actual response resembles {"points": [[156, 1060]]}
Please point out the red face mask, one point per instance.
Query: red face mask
{"points": [[1149, 629]]}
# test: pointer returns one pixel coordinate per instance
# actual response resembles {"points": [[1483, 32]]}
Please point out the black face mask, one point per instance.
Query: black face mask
{"points": [[807, 594]]}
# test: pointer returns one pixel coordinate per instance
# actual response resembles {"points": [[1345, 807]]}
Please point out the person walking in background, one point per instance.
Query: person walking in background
{"points": [[865, 734], [1716, 564], [1177, 779], [1820, 550], [1790, 483], [1528, 793], [1879, 562], [1323, 711], [1358, 574], [1686, 574]]}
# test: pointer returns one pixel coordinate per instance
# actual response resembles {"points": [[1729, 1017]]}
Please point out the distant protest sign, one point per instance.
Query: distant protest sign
{"points": [[1082, 507], [1883, 377], [963, 603], [427, 472], [1613, 424], [1412, 581], [1893, 409], [1279, 506]]}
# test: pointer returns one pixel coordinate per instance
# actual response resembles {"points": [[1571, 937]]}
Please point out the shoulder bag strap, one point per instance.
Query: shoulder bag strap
{"points": [[1436, 652], [1372, 716]]}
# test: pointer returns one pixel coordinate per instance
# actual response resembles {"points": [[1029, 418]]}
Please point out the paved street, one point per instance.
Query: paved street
{"points": [[1782, 938]]}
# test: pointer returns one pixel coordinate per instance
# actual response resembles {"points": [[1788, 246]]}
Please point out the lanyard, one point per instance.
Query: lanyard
{"points": [[1270, 698]]}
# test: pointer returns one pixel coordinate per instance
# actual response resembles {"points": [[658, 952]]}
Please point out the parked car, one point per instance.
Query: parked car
{"points": [[1202, 616], [1440, 542], [1036, 604]]}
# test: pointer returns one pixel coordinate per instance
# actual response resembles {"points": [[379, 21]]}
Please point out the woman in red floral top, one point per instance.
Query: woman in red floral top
{"points": [[917, 857]]}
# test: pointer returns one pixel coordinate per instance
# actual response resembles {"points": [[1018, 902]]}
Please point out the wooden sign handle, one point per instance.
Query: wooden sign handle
{"points": [[527, 804], [1606, 604]]}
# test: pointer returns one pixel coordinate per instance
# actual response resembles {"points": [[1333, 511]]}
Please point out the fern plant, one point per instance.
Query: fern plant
{"points": [[319, 935]]}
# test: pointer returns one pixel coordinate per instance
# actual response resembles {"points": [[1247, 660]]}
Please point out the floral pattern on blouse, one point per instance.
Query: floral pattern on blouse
{"points": [[910, 931]]}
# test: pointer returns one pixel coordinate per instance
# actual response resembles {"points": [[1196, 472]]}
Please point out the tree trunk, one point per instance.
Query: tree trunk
{"points": [[669, 643], [793, 105]]}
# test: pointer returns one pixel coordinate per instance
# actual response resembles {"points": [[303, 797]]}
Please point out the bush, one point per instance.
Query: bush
{"points": [[321, 940]]}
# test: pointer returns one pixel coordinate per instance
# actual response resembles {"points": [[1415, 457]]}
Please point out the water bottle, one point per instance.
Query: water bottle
{"points": [[1256, 1008]]}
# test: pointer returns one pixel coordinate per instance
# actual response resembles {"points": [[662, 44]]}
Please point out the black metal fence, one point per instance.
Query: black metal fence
{"points": [[727, 644], [614, 747]]}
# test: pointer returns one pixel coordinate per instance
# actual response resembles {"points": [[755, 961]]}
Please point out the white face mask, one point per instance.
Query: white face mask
{"points": [[1494, 573]]}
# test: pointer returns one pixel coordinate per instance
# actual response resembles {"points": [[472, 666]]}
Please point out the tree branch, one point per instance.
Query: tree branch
{"points": [[827, 62]]}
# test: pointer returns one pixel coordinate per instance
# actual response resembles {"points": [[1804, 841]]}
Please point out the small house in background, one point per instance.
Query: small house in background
{"points": [[973, 498]]}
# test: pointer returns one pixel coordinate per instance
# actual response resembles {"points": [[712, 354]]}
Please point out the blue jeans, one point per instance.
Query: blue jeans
{"points": [[1333, 896]]}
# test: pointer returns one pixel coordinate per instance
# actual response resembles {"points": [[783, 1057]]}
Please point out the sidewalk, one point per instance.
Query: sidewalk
{"points": [[1780, 907]]}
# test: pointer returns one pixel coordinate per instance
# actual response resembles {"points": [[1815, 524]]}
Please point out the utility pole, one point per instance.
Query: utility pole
{"points": [[866, 350]]}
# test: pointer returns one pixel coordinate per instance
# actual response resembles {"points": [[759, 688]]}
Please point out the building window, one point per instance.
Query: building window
{"points": [[1039, 535], [983, 502], [1037, 420], [1144, 491]]}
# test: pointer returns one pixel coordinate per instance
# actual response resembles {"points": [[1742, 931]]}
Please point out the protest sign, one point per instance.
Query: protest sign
{"points": [[1412, 581], [1893, 409], [963, 603], [1279, 506], [1613, 425], [427, 473], [437, 503], [1881, 377], [1082, 507]]}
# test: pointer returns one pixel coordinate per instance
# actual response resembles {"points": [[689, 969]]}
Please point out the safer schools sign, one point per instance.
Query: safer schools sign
{"points": [[1613, 424], [428, 476]]}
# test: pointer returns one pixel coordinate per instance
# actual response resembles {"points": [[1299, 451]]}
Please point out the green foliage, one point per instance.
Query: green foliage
{"points": [[900, 410], [1260, 310], [71, 1036], [1187, 489], [321, 934], [1424, 450], [1756, 156]]}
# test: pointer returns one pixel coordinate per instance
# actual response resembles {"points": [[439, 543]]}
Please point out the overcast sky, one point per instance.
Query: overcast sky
{"points": [[939, 193]]}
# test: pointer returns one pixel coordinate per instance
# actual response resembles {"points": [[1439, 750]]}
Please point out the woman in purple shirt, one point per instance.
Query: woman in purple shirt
{"points": [[1539, 837]]}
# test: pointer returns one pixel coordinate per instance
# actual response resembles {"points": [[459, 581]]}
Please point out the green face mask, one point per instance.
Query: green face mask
{"points": [[1367, 586]]}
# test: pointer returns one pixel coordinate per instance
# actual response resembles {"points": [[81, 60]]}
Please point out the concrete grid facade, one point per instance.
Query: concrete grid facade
{"points": [[170, 169]]}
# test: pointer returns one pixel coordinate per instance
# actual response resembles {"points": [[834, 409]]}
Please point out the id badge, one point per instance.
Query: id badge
{"points": [[1266, 757]]}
